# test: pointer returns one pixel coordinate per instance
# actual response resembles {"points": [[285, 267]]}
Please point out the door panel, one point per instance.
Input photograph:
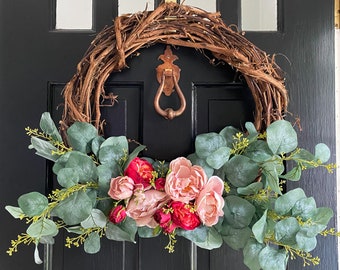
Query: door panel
{"points": [[31, 56]]}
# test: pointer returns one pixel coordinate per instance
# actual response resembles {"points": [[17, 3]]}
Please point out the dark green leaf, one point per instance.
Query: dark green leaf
{"points": [[134, 154], [92, 243], [281, 137], [241, 171], [33, 203], [80, 136], [286, 202], [238, 212], [207, 143]]}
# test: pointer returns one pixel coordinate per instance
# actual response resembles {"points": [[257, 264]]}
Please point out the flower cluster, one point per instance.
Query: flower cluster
{"points": [[184, 199]]}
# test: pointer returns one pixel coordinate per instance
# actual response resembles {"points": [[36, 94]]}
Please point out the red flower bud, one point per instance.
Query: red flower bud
{"points": [[117, 214], [160, 183]]}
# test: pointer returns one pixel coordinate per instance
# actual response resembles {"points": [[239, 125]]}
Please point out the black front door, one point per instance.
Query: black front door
{"points": [[36, 62]]}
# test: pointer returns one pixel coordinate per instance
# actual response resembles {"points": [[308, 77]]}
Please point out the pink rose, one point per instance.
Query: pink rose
{"points": [[184, 182], [140, 171], [184, 216], [142, 210], [209, 203], [117, 214], [121, 188]]}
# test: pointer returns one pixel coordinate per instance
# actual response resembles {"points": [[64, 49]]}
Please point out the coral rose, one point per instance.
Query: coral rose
{"points": [[184, 216], [210, 202], [140, 171], [121, 188], [142, 210], [117, 214], [185, 181]]}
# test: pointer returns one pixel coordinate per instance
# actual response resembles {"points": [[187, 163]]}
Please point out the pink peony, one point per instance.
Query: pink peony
{"points": [[121, 188], [117, 214], [210, 202], [142, 210], [140, 171], [185, 181]]}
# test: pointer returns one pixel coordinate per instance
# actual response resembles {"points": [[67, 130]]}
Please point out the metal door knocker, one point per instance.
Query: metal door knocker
{"points": [[168, 76]]}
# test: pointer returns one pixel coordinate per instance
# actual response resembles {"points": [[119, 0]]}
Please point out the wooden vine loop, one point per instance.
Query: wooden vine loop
{"points": [[177, 25]]}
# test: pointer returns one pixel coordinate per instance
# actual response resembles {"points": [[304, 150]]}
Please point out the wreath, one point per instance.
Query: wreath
{"points": [[228, 191]]}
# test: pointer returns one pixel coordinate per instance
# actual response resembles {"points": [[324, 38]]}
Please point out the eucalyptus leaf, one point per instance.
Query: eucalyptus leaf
{"points": [[74, 209], [304, 208], [44, 149], [213, 240], [92, 243], [258, 151], [16, 212], [286, 230], [147, 232], [94, 220], [286, 202], [228, 133], [293, 175], [219, 157], [260, 227], [82, 165], [199, 234], [281, 137], [238, 212], [208, 143], [43, 227], [273, 259], [251, 189], [322, 152], [304, 242], [269, 170], [237, 238], [251, 254], [241, 171], [124, 231], [104, 178], [195, 160], [95, 144], [48, 126], [112, 153], [80, 136], [33, 203], [68, 177]]}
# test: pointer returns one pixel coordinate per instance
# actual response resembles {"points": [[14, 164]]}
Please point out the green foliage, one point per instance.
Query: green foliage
{"points": [[268, 226]]}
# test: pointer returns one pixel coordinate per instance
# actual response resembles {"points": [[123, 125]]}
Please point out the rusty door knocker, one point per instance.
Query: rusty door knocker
{"points": [[168, 76]]}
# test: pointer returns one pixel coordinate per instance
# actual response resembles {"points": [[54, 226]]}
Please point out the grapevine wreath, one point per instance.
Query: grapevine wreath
{"points": [[228, 191]]}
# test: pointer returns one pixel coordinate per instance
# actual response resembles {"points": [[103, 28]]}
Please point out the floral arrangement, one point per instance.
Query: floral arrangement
{"points": [[228, 191]]}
